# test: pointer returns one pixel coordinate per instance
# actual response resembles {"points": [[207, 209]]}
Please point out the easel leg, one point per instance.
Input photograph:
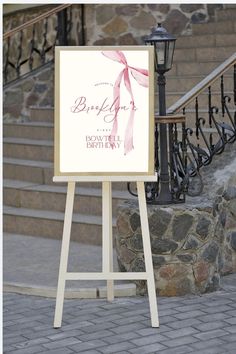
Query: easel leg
{"points": [[148, 255], [64, 254], [107, 241]]}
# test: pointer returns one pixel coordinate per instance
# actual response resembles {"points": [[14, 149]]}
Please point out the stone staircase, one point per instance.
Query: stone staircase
{"points": [[199, 54], [34, 205]]}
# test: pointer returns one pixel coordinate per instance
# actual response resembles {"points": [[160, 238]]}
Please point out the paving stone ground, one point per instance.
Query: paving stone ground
{"points": [[191, 324]]}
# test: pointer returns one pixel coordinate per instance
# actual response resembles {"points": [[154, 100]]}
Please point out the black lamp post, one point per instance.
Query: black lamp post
{"points": [[164, 44]]}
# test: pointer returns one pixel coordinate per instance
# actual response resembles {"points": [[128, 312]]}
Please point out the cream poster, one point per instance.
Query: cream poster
{"points": [[104, 110]]}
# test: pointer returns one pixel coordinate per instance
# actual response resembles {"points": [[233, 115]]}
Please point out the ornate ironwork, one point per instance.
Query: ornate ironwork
{"points": [[37, 49], [191, 148]]}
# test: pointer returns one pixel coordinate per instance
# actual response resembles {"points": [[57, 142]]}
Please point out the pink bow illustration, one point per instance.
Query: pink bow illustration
{"points": [[141, 76]]}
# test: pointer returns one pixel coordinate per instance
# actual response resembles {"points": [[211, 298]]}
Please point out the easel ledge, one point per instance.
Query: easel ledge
{"points": [[113, 178], [107, 244]]}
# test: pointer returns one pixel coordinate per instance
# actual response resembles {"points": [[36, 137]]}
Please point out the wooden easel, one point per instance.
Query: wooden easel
{"points": [[107, 246]]}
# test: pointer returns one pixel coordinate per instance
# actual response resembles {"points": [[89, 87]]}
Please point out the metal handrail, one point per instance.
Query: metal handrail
{"points": [[35, 20], [202, 85]]}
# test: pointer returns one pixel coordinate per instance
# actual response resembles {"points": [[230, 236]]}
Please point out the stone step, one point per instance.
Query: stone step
{"points": [[184, 84], [42, 114], [208, 54], [53, 197], [41, 172], [226, 14], [172, 97], [206, 40], [46, 223], [221, 27], [193, 68], [28, 149], [29, 130]]}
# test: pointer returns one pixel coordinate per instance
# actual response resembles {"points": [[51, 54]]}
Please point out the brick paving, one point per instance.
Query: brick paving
{"points": [[191, 324]]}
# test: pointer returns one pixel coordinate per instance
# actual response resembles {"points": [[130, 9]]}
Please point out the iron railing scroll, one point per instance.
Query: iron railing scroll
{"points": [[31, 44], [208, 125]]}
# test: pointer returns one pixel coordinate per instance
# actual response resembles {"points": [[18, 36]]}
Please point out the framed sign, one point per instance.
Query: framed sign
{"points": [[104, 111]]}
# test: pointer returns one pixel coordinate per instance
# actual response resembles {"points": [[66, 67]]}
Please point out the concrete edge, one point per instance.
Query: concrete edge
{"points": [[121, 290]]}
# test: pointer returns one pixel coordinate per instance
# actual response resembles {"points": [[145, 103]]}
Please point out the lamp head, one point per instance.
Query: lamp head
{"points": [[164, 44]]}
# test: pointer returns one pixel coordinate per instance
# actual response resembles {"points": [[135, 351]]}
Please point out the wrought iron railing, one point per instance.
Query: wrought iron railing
{"points": [[214, 127], [31, 44], [195, 142]]}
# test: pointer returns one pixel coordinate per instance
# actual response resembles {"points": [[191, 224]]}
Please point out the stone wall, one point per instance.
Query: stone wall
{"points": [[37, 89], [104, 24], [127, 24], [193, 244]]}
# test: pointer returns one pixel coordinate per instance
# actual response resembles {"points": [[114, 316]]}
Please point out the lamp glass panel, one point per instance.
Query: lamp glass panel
{"points": [[160, 52], [170, 53]]}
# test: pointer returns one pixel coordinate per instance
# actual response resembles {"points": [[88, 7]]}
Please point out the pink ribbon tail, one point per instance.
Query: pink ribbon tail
{"points": [[116, 98], [141, 77], [128, 143]]}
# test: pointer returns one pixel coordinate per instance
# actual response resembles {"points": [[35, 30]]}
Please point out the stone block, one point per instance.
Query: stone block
{"points": [[178, 280], [186, 258], [127, 39], [104, 13], [123, 225], [105, 41], [198, 17], [13, 97], [117, 26], [127, 10], [158, 261], [125, 255], [144, 21], [32, 100], [135, 222], [181, 226], [210, 252], [192, 243], [136, 242], [175, 22], [163, 8], [163, 246], [203, 227], [40, 88], [138, 265], [189, 8], [159, 221]]}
